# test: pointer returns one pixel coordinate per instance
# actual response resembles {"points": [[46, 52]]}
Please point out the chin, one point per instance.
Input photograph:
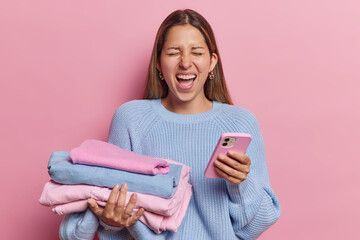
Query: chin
{"points": [[188, 100], [185, 97]]}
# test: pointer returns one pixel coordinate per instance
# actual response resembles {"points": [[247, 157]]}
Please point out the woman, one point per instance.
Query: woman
{"points": [[186, 109]]}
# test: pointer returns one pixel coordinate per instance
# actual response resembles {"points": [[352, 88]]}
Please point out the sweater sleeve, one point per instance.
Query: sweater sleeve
{"points": [[79, 226], [253, 206], [119, 133]]}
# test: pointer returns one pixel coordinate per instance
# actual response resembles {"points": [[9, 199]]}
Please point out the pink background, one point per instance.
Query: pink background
{"points": [[67, 65]]}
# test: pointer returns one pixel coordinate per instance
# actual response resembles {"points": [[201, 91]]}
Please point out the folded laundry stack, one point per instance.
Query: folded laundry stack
{"points": [[90, 170]]}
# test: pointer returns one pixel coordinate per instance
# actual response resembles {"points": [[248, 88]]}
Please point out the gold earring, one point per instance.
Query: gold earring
{"points": [[161, 76], [211, 75]]}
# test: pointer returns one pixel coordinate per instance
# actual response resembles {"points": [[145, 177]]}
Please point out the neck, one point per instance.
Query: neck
{"points": [[188, 107]]}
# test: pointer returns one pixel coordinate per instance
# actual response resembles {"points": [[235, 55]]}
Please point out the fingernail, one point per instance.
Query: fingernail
{"points": [[117, 186], [125, 185], [216, 162], [231, 152], [221, 157]]}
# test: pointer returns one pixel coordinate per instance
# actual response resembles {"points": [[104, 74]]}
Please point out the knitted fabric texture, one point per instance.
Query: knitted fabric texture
{"points": [[217, 209]]}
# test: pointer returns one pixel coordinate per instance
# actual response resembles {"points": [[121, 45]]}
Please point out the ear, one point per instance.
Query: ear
{"points": [[213, 61], [158, 67]]}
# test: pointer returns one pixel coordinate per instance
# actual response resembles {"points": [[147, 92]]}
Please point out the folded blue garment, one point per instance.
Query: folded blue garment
{"points": [[63, 171]]}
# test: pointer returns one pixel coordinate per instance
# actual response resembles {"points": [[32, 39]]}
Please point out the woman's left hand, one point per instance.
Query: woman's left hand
{"points": [[234, 167]]}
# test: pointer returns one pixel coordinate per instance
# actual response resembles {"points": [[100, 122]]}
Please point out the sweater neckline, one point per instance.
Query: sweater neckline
{"points": [[168, 115]]}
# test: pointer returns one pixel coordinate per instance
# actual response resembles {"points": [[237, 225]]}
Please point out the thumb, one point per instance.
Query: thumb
{"points": [[94, 207]]}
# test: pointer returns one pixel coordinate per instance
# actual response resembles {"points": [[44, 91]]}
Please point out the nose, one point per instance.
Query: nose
{"points": [[185, 61]]}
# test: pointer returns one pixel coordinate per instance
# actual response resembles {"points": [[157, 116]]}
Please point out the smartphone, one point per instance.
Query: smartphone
{"points": [[237, 142]]}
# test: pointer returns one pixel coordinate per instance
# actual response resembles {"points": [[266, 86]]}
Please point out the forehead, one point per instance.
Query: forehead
{"points": [[184, 35]]}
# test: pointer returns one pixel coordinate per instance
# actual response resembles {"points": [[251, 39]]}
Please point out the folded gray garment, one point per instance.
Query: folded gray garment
{"points": [[63, 171]]}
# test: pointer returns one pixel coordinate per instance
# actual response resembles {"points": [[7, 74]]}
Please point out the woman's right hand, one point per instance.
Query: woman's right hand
{"points": [[115, 213]]}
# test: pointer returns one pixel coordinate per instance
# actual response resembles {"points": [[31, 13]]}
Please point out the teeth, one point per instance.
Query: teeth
{"points": [[186, 77]]}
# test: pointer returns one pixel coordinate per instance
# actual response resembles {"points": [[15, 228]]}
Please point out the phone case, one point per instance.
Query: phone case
{"points": [[237, 142]]}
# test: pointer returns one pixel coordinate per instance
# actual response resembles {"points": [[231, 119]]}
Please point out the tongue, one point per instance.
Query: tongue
{"points": [[185, 83]]}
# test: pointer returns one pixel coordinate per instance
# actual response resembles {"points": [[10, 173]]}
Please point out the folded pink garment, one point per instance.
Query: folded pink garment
{"points": [[155, 222], [99, 153], [55, 194], [171, 223]]}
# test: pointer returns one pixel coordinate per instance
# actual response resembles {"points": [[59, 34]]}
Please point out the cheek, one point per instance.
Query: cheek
{"points": [[203, 65], [167, 65]]}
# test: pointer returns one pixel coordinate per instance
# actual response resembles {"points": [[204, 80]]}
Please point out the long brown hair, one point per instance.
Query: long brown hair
{"points": [[215, 88]]}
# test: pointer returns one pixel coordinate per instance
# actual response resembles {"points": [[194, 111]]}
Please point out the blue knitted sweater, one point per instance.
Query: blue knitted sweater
{"points": [[218, 209]]}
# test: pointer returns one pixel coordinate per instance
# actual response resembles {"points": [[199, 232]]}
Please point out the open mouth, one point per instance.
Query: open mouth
{"points": [[186, 81]]}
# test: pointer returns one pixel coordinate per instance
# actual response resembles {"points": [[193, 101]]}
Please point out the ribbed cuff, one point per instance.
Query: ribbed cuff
{"points": [[108, 227], [245, 192]]}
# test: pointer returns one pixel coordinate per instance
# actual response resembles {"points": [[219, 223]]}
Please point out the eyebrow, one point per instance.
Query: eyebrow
{"points": [[177, 48], [194, 48], [173, 48]]}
